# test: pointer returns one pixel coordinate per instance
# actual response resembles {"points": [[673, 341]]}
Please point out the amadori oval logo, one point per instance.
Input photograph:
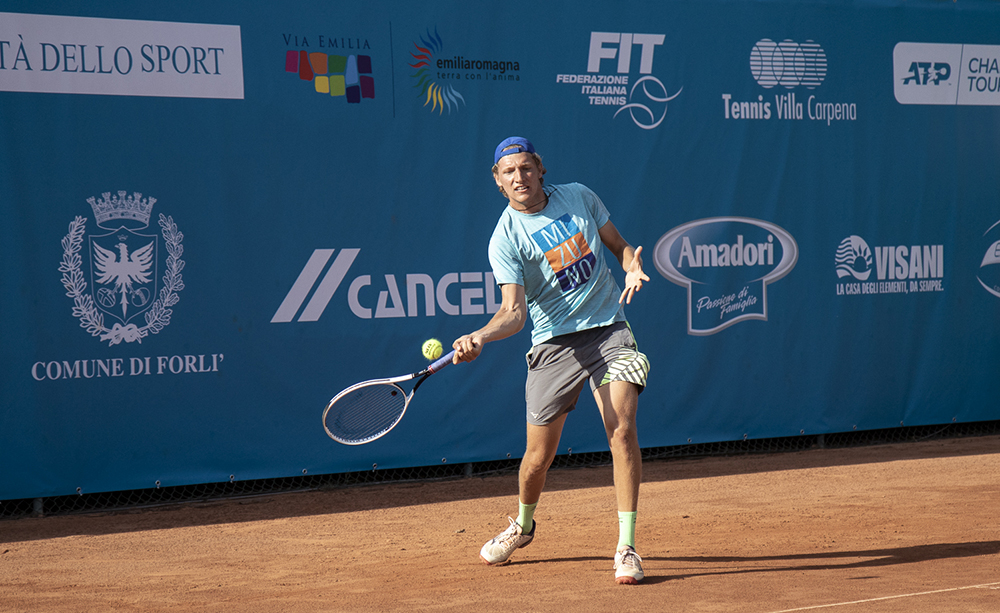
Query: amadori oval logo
{"points": [[726, 264]]}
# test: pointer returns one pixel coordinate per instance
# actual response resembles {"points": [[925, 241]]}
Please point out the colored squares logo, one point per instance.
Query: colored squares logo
{"points": [[347, 76], [567, 252]]}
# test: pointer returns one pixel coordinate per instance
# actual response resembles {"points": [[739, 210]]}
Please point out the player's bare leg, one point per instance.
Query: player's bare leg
{"points": [[618, 402], [543, 442], [542, 445]]}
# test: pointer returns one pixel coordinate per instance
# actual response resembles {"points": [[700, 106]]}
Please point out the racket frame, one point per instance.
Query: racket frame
{"points": [[434, 367]]}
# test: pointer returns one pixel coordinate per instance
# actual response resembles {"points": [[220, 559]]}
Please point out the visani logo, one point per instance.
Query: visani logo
{"points": [[899, 269]]}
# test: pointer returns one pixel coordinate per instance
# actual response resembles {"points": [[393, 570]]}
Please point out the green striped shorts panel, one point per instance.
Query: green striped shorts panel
{"points": [[560, 368]]}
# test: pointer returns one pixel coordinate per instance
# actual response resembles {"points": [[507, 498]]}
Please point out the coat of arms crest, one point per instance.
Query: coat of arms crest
{"points": [[123, 266]]}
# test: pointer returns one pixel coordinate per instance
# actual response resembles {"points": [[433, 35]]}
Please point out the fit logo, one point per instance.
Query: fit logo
{"points": [[923, 73], [612, 45], [475, 292], [643, 97]]}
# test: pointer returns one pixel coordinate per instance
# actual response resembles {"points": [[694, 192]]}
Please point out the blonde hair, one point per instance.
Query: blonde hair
{"points": [[538, 163]]}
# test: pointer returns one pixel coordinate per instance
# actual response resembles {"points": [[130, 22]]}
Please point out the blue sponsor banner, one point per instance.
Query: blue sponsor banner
{"points": [[218, 216], [726, 281]]}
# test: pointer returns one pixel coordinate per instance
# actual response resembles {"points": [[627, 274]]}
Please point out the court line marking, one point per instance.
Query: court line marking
{"points": [[841, 604]]}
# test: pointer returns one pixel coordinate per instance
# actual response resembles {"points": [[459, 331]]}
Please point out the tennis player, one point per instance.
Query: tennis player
{"points": [[547, 258]]}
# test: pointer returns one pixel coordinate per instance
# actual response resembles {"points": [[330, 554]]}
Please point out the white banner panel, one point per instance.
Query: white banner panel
{"points": [[123, 57]]}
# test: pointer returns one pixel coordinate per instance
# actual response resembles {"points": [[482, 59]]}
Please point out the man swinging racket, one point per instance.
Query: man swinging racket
{"points": [[547, 258]]}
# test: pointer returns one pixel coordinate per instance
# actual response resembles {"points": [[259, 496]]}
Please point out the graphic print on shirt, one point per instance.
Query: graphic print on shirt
{"points": [[567, 252]]}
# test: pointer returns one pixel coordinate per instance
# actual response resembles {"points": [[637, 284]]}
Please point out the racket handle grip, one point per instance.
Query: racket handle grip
{"points": [[441, 362]]}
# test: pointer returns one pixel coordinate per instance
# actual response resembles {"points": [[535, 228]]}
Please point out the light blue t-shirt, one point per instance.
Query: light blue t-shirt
{"points": [[558, 256]]}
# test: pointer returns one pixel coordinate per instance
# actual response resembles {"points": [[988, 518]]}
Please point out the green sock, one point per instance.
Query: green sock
{"points": [[525, 515], [626, 529]]}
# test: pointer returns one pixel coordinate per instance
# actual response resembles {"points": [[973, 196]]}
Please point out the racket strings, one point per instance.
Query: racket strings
{"points": [[366, 412]]}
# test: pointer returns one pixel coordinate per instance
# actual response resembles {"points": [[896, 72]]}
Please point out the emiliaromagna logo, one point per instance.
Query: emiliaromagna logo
{"points": [[437, 75]]}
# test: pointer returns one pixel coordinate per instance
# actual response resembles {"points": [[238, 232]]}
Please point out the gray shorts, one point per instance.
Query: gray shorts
{"points": [[559, 367]]}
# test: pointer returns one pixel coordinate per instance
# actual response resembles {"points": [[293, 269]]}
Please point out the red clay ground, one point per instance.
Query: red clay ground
{"points": [[898, 528]]}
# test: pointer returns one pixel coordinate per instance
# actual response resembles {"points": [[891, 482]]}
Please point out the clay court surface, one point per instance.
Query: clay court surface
{"points": [[896, 528]]}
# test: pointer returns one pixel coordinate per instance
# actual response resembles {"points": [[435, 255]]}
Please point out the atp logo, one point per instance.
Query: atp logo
{"points": [[123, 268], [434, 94], [924, 73], [929, 73]]}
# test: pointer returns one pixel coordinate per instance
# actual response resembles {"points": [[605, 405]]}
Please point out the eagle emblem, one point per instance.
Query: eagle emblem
{"points": [[123, 275], [125, 289]]}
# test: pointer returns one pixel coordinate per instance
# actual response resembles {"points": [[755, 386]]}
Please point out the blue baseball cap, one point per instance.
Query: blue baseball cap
{"points": [[517, 144]]}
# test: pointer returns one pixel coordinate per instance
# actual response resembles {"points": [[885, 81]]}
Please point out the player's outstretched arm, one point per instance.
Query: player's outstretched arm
{"points": [[629, 258], [634, 276], [509, 320]]}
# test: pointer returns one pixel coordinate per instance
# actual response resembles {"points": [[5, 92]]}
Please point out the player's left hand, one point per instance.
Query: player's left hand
{"points": [[633, 277]]}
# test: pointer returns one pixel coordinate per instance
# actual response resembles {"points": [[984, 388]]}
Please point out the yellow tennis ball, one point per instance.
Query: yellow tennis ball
{"points": [[432, 349]]}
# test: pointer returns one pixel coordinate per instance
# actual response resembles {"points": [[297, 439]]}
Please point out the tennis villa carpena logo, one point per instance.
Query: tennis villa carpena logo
{"points": [[781, 69]]}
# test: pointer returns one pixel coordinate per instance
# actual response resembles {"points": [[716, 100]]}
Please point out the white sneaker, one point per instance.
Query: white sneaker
{"points": [[628, 567], [499, 549]]}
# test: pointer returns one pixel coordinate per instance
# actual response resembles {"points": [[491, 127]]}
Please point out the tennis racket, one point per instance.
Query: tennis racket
{"points": [[369, 410]]}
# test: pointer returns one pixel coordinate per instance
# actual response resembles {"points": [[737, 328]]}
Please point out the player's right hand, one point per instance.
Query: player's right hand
{"points": [[467, 348]]}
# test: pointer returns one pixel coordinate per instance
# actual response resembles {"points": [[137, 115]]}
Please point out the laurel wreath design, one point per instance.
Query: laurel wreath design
{"points": [[91, 319]]}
